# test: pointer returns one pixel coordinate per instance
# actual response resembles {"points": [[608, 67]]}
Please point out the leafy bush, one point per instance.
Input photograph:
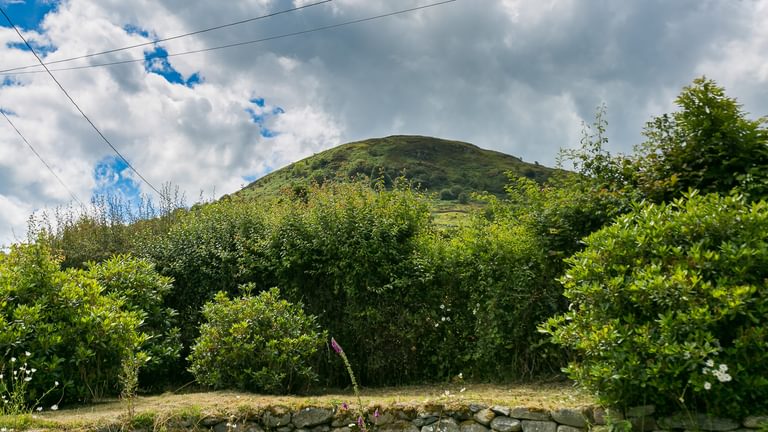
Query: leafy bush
{"points": [[709, 145], [201, 254], [257, 343], [142, 291], [74, 334], [669, 305], [348, 254]]}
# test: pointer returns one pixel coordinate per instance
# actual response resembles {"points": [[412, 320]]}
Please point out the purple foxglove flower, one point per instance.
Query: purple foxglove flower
{"points": [[336, 347], [360, 422], [344, 406], [376, 413]]}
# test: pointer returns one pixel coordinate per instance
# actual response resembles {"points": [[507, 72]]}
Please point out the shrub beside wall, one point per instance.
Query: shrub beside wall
{"points": [[669, 305]]}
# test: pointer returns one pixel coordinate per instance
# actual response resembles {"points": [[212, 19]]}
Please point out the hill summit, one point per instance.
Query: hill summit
{"points": [[435, 165]]}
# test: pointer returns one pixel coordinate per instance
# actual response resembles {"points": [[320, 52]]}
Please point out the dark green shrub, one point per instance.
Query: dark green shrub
{"points": [[463, 198], [75, 335], [143, 290], [201, 253], [349, 255], [665, 296], [259, 343], [447, 195]]}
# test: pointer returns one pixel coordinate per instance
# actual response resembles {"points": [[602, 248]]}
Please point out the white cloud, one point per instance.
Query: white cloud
{"points": [[509, 75]]}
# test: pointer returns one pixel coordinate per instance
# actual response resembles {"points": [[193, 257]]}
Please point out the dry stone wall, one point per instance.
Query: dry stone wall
{"points": [[470, 418]]}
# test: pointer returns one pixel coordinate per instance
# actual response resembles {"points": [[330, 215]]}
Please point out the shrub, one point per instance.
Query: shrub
{"points": [[669, 305], [74, 334], [447, 195], [259, 343], [143, 290]]}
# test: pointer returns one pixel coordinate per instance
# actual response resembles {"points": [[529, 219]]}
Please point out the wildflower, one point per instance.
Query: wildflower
{"points": [[344, 406], [442, 306], [710, 363], [707, 386], [26, 353], [33, 370], [54, 407], [442, 319], [55, 383], [723, 368], [360, 422], [13, 359], [336, 347], [376, 413], [461, 375], [1, 376], [437, 324], [351, 425], [27, 379], [39, 409]]}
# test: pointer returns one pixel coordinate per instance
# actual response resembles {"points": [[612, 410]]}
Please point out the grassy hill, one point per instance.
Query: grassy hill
{"points": [[447, 168]]}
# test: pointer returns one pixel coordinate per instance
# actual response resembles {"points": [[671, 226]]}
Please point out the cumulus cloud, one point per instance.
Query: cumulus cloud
{"points": [[510, 75]]}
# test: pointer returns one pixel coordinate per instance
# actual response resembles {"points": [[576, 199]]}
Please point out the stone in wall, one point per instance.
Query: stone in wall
{"points": [[443, 425], [484, 416], [539, 426], [311, 416], [276, 417], [506, 424], [576, 417], [525, 413]]}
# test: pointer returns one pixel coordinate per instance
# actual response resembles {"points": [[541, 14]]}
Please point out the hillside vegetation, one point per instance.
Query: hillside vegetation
{"points": [[447, 168], [645, 275]]}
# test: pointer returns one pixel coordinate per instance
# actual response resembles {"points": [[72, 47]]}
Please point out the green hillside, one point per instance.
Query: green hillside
{"points": [[447, 168]]}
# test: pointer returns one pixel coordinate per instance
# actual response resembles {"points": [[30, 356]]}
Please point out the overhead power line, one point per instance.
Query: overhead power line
{"points": [[78, 107], [72, 194], [155, 41], [249, 42]]}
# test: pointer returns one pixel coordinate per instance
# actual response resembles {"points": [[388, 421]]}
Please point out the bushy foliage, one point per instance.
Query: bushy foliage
{"points": [[494, 289], [260, 343], [669, 306], [201, 253], [709, 145], [347, 253], [142, 290], [75, 335]]}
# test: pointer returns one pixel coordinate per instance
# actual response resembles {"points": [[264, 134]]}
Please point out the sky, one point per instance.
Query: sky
{"points": [[517, 76]]}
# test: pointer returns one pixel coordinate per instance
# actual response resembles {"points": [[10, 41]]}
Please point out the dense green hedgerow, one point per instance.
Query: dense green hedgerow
{"points": [[260, 343], [669, 305]]}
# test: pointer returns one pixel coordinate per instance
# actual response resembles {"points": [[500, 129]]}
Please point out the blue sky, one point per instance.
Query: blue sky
{"points": [[28, 14]]}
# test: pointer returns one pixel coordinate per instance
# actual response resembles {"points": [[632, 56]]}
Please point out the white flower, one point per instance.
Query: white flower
{"points": [[710, 363], [27, 379], [55, 383], [351, 425], [437, 324], [13, 359], [442, 319], [54, 407], [26, 353], [39, 409], [462, 390], [707, 386], [723, 368], [33, 370], [1, 376], [442, 306], [461, 375]]}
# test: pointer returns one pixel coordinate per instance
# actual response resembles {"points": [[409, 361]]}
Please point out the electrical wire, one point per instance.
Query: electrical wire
{"points": [[155, 41], [250, 42], [78, 107], [74, 197]]}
